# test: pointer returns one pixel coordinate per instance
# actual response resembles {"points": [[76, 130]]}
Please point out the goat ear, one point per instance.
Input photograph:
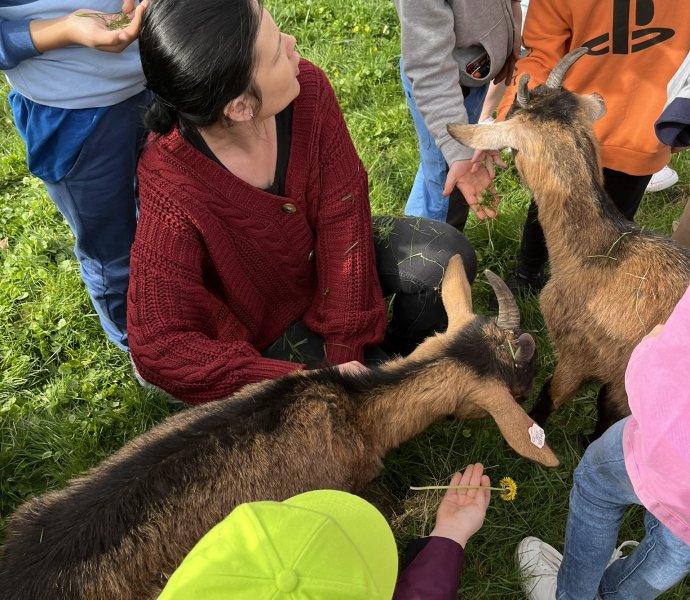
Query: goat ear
{"points": [[493, 136], [595, 106], [456, 294], [515, 425]]}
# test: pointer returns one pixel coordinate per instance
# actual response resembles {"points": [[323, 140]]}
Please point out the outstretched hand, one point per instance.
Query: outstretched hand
{"points": [[90, 28], [461, 512], [474, 177], [94, 32]]}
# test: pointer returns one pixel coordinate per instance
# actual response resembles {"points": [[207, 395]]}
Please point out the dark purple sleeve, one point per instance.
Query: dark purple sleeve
{"points": [[434, 571], [673, 126]]}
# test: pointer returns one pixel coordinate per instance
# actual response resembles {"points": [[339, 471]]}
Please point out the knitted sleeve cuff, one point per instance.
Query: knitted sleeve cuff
{"points": [[338, 353]]}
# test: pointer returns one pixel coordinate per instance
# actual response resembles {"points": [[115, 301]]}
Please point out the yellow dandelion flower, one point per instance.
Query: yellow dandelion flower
{"points": [[509, 488], [367, 29], [355, 29]]}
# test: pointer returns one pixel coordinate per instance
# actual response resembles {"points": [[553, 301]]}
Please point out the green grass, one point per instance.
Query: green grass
{"points": [[67, 396]]}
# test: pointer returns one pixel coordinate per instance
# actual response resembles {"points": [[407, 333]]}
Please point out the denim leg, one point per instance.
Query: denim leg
{"points": [[426, 198], [656, 565], [411, 257], [601, 493], [97, 199]]}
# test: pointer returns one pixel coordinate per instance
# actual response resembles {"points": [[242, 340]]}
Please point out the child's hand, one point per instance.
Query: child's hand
{"points": [[95, 33], [461, 512], [88, 28]]}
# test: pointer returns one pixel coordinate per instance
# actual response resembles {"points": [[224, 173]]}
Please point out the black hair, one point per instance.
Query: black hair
{"points": [[197, 56]]}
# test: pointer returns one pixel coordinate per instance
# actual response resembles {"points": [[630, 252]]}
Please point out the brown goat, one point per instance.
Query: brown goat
{"points": [[119, 531], [610, 283]]}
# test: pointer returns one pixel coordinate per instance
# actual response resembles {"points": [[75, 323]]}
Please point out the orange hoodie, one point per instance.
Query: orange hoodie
{"points": [[635, 48]]}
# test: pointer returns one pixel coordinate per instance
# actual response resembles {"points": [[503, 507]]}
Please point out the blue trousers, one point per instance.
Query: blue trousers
{"points": [[600, 496], [426, 198], [98, 200]]}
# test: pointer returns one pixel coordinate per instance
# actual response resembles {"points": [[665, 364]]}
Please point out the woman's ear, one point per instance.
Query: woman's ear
{"points": [[239, 110]]}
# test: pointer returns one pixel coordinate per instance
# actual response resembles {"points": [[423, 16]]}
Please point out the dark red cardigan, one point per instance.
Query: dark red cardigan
{"points": [[220, 269]]}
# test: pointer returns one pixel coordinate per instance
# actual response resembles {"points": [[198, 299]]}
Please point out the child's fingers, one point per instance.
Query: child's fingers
{"points": [[476, 476], [131, 32], [467, 475], [486, 494]]}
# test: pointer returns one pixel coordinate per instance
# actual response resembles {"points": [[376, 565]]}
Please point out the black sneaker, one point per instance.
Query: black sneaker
{"points": [[521, 283]]}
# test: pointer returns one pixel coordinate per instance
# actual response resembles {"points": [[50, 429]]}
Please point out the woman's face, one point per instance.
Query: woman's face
{"points": [[277, 68]]}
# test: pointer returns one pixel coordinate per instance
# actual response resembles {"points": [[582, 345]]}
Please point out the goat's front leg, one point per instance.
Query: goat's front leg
{"points": [[612, 406], [555, 392]]}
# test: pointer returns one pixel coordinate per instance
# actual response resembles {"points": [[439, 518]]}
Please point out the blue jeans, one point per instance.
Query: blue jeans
{"points": [[426, 197], [601, 493], [98, 200]]}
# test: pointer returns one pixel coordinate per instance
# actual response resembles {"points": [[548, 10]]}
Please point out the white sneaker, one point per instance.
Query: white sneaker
{"points": [[662, 179], [538, 563]]}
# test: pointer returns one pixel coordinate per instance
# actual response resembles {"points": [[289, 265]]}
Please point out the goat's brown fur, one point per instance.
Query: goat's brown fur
{"points": [[119, 531], [610, 283]]}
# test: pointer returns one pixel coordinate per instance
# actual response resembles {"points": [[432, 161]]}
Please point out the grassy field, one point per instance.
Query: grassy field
{"points": [[67, 396]]}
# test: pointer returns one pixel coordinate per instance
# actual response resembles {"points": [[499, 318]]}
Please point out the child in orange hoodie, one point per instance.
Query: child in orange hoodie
{"points": [[635, 48]]}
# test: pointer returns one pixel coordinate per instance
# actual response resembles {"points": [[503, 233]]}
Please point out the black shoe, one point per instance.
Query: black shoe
{"points": [[521, 283]]}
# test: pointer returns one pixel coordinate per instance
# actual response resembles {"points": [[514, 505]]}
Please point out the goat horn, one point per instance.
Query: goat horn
{"points": [[523, 92], [526, 348], [555, 79], [508, 313]]}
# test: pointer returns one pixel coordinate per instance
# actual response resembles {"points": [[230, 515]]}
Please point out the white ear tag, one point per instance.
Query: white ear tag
{"points": [[537, 435]]}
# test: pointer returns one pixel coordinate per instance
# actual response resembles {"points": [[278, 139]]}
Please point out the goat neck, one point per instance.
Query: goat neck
{"points": [[468, 372]]}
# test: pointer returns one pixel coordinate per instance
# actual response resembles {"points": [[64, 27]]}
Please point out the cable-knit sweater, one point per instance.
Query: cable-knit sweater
{"points": [[220, 269]]}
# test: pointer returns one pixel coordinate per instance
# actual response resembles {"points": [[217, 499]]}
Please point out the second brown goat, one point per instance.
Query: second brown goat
{"points": [[610, 282]]}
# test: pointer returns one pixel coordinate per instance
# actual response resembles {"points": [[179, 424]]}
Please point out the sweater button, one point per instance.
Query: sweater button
{"points": [[289, 208], [311, 256]]}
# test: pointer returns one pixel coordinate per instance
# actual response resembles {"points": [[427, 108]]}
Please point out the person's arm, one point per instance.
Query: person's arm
{"points": [[673, 126], [15, 44], [24, 39], [427, 43], [433, 570], [347, 310], [546, 35], [505, 76], [182, 338]]}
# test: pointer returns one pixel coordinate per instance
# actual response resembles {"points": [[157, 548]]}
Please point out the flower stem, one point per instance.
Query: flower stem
{"points": [[457, 487]]}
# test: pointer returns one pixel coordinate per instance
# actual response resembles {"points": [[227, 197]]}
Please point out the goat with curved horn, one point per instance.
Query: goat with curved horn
{"points": [[523, 92], [508, 312], [555, 79]]}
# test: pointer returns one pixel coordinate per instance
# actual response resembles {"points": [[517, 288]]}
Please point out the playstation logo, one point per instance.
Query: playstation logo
{"points": [[621, 40]]}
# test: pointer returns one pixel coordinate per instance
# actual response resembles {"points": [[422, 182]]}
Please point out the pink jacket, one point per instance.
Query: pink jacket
{"points": [[656, 438]]}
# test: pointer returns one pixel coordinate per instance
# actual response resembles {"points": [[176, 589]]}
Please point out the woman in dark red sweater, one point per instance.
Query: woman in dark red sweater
{"points": [[255, 253]]}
